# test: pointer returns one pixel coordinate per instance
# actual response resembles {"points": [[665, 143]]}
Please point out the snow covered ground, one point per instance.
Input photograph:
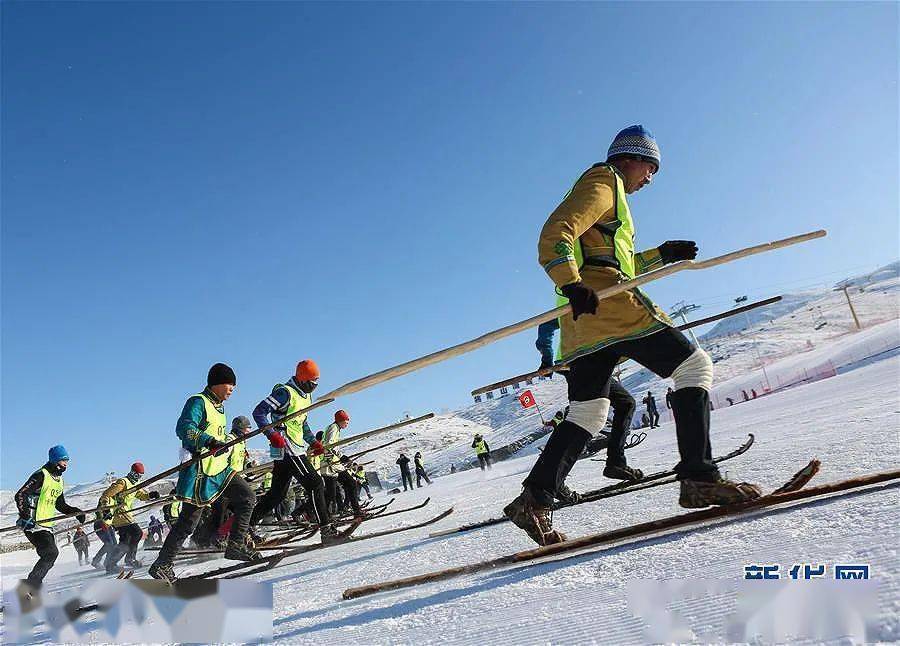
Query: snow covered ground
{"points": [[850, 422]]}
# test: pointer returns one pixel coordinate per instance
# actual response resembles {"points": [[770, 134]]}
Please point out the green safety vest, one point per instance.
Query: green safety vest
{"points": [[267, 481], [238, 455], [361, 475], [214, 464], [46, 504], [622, 233], [123, 503], [480, 447], [175, 509], [294, 426]]}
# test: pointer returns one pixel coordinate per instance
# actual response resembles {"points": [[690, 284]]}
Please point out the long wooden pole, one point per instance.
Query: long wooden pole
{"points": [[560, 367], [632, 531], [515, 328], [375, 448]]}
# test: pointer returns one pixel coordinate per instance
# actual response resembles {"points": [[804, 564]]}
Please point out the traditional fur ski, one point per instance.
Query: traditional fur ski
{"points": [[791, 491], [648, 481]]}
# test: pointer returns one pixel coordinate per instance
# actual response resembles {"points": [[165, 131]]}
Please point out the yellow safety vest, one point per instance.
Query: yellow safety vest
{"points": [[46, 504], [124, 502], [480, 447], [622, 240], [215, 427], [267, 481], [175, 509], [238, 455], [294, 426]]}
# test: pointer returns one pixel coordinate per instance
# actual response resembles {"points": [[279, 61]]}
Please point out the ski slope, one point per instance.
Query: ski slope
{"points": [[849, 421]]}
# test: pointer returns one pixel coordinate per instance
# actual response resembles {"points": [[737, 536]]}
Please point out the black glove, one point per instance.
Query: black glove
{"points": [[153, 495], [215, 446], [81, 518], [582, 298], [675, 250], [107, 515]]}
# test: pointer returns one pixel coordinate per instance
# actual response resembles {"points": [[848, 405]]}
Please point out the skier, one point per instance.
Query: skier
{"points": [[119, 514], [154, 531], [333, 467], [405, 475], [482, 451], [287, 399], [266, 482], [360, 474], [588, 244], [669, 394], [82, 544], [39, 500], [171, 510], [201, 428], [107, 536], [652, 412], [420, 470], [205, 534], [623, 406]]}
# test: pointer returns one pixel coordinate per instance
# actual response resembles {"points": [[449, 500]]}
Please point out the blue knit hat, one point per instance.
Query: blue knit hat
{"points": [[635, 140], [57, 453]]}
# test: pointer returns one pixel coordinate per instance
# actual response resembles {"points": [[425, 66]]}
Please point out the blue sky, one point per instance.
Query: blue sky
{"points": [[186, 183]]}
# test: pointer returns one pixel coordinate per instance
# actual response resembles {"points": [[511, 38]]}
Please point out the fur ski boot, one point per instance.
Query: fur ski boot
{"points": [[696, 494], [163, 572], [329, 534], [536, 520], [622, 472], [239, 550], [567, 496]]}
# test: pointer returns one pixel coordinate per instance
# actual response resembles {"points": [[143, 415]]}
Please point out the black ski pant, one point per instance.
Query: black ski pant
{"points": [[589, 378], [210, 521], [351, 491], [129, 538], [364, 485], [45, 544], [242, 500], [653, 414], [407, 477], [283, 471], [420, 473], [108, 538], [484, 460], [82, 551], [623, 406]]}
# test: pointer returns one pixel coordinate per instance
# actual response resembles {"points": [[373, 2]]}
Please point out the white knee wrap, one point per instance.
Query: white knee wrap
{"points": [[694, 372], [589, 415]]}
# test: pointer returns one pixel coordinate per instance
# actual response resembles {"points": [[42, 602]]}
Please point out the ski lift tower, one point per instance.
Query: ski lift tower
{"points": [[680, 309]]}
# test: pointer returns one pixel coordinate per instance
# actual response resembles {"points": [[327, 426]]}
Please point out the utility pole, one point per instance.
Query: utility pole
{"points": [[680, 309], [852, 311], [741, 299]]}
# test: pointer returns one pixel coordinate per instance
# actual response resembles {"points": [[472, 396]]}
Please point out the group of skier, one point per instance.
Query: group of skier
{"points": [[586, 245], [406, 475], [210, 492]]}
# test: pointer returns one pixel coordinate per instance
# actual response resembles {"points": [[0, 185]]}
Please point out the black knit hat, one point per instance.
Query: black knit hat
{"points": [[220, 374]]}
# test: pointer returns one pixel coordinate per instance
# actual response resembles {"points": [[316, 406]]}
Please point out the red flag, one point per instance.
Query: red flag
{"points": [[527, 399]]}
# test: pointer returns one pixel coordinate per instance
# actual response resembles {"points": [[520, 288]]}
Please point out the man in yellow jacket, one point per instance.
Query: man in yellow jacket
{"points": [[130, 533], [587, 244]]}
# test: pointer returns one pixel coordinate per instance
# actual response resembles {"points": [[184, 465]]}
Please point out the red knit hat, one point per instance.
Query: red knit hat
{"points": [[341, 416], [307, 370], [138, 467]]}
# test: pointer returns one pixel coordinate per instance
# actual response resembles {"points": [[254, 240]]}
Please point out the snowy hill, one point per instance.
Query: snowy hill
{"points": [[803, 331]]}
